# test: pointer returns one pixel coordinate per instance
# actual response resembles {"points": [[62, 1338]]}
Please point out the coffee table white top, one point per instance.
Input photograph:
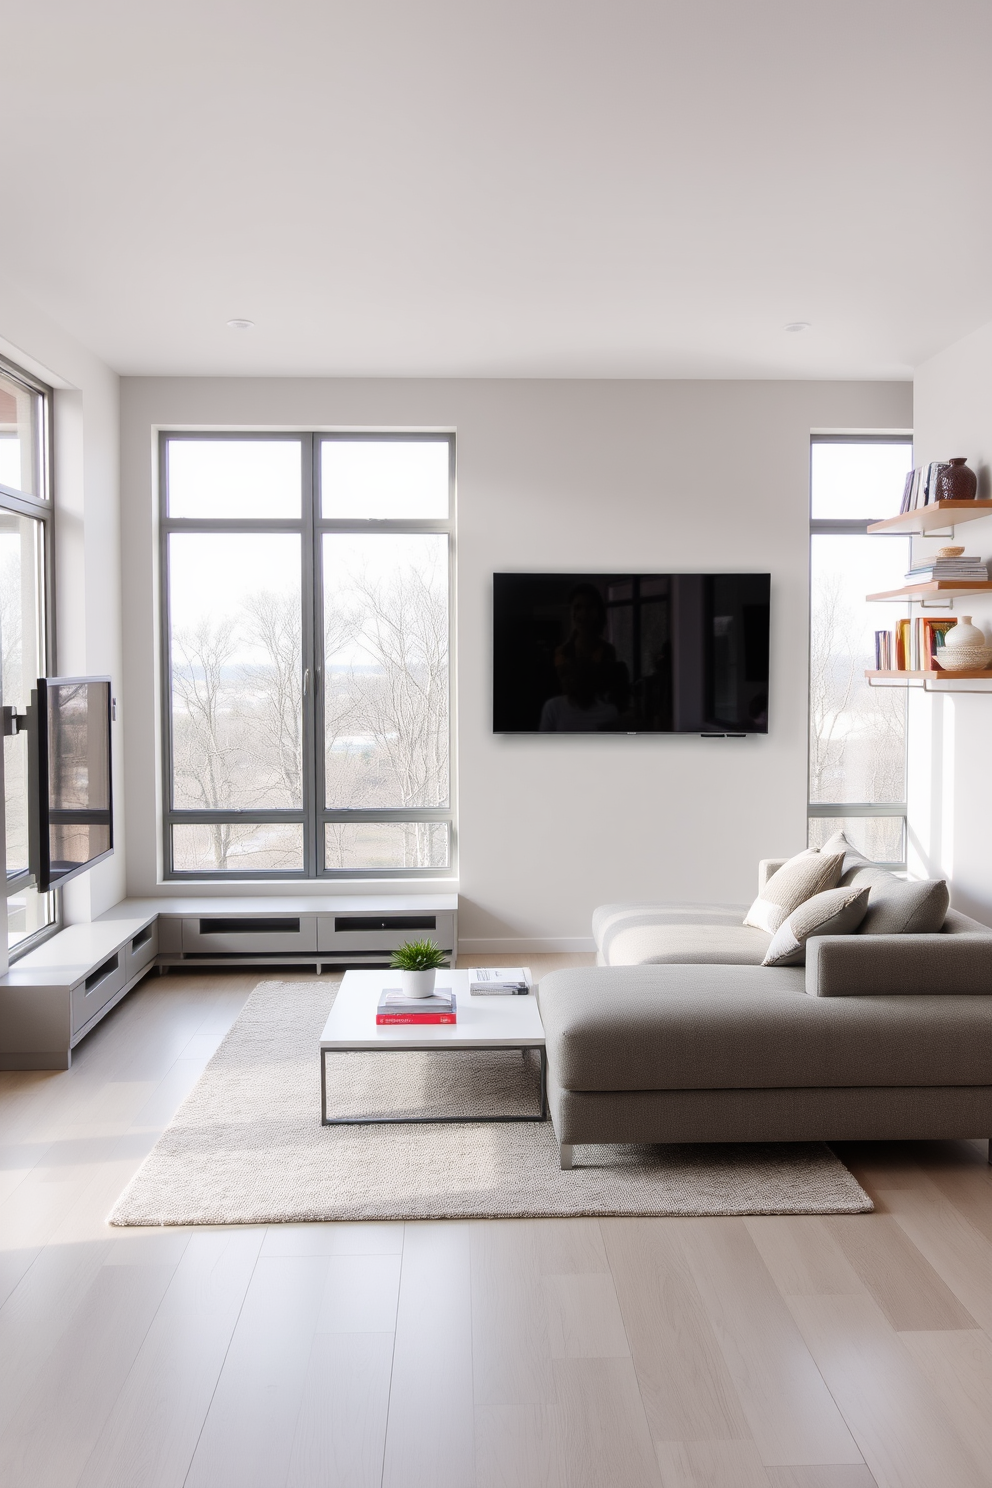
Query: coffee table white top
{"points": [[483, 1022]]}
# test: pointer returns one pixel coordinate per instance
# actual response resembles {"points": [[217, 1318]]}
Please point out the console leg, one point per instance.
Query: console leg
{"points": [[565, 1150]]}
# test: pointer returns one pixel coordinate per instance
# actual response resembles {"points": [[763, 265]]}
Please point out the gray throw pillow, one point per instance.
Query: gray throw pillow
{"points": [[854, 858], [897, 907], [808, 873], [835, 912]]}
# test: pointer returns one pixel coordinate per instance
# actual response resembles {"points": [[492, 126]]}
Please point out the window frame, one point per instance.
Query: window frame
{"points": [[311, 525], [848, 527], [40, 508]]}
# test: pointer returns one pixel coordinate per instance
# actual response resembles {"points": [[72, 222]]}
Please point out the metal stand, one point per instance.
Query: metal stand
{"points": [[326, 1120]]}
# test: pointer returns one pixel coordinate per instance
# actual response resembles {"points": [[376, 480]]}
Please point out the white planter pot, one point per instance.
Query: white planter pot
{"points": [[417, 983]]}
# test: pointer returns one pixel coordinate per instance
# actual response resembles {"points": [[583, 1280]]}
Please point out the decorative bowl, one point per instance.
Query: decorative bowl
{"points": [[963, 658]]}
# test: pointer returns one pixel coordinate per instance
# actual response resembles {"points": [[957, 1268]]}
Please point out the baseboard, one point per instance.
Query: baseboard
{"points": [[514, 945]]}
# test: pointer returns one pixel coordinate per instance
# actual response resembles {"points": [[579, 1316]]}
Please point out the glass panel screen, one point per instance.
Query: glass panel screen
{"points": [[370, 845], [78, 806], [233, 847], [27, 913], [22, 608], [857, 732], [233, 478], [20, 437], [384, 478], [237, 670], [880, 838], [860, 481], [385, 670]]}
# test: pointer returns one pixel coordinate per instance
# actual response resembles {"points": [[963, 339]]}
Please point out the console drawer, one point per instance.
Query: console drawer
{"points": [[140, 951], [384, 931], [89, 996], [267, 934]]}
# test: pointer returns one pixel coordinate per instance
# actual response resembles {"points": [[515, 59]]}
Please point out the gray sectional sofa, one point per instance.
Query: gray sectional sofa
{"points": [[681, 1035]]}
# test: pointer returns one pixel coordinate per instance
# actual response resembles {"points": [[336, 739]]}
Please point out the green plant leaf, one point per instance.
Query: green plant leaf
{"points": [[418, 955]]}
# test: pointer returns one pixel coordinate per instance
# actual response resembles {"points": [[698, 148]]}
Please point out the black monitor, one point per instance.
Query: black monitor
{"points": [[71, 791], [622, 653]]}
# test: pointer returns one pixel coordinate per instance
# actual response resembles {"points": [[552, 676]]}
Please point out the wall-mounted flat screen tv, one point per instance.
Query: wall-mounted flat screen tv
{"points": [[71, 792], [630, 653]]}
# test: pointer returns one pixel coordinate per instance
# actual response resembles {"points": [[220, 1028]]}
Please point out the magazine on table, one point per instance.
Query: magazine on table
{"points": [[499, 981]]}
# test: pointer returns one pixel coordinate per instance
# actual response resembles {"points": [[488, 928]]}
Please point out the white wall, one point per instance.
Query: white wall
{"points": [[950, 795], [572, 476], [87, 534]]}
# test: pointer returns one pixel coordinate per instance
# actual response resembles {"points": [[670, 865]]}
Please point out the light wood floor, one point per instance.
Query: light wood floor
{"points": [[718, 1353]]}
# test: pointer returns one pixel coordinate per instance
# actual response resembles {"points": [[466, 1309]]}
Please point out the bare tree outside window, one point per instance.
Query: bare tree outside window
{"points": [[245, 678], [857, 745]]}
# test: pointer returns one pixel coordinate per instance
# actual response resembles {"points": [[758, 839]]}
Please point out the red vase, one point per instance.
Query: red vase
{"points": [[956, 482]]}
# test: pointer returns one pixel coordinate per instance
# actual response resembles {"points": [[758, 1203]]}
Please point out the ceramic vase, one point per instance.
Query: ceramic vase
{"points": [[965, 648], [417, 983], [956, 481]]}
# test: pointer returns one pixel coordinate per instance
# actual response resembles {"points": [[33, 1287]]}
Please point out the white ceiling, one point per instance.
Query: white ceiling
{"points": [[629, 188]]}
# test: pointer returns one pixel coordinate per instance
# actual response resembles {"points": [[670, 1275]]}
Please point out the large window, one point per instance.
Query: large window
{"points": [[307, 586], [857, 764], [25, 565]]}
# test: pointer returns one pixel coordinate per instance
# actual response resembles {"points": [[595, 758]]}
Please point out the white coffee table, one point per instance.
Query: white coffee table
{"points": [[483, 1023]]}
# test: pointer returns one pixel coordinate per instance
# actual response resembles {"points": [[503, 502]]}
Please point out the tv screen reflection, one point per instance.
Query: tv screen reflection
{"points": [[630, 653]]}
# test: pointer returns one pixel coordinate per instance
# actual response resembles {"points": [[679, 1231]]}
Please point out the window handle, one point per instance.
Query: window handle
{"points": [[306, 681]]}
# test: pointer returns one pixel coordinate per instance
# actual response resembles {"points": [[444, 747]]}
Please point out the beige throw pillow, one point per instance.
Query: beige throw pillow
{"points": [[806, 874], [834, 912]]}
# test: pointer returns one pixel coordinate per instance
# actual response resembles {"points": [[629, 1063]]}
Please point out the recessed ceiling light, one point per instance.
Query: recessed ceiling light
{"points": [[794, 325], [240, 325]]}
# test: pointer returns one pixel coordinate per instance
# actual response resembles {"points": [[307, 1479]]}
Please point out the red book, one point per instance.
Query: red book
{"points": [[385, 1019]]}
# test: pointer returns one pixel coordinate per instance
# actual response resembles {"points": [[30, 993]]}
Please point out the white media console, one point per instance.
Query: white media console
{"points": [[55, 995]]}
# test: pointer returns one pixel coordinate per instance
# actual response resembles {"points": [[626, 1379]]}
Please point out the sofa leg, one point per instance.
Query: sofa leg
{"points": [[565, 1151]]}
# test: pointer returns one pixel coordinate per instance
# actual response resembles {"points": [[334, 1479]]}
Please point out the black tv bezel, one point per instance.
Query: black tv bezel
{"points": [[40, 815], [715, 733]]}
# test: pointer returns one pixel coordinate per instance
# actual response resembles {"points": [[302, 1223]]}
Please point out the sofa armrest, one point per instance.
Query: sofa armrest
{"points": [[766, 868], [882, 965]]}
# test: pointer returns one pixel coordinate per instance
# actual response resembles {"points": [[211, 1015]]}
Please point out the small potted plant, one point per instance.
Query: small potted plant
{"points": [[417, 962]]}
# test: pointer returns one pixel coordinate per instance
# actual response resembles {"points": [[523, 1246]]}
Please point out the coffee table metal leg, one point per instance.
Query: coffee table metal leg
{"points": [[326, 1120]]}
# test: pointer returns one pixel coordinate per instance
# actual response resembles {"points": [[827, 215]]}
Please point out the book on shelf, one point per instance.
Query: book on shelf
{"points": [[499, 981], [884, 660], [930, 631], [394, 1007]]}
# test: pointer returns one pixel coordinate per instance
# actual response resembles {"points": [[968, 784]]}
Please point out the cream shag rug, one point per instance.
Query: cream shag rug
{"points": [[247, 1146]]}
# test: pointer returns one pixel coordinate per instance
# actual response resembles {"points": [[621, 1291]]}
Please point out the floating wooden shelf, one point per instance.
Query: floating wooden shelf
{"points": [[938, 589], [967, 673], [940, 514], [925, 680]]}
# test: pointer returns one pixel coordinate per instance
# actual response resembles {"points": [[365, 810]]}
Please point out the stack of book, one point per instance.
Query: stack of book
{"points": [[394, 1007], [499, 981], [963, 567]]}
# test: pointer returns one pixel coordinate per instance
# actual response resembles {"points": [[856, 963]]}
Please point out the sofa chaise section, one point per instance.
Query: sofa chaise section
{"points": [[710, 1053]]}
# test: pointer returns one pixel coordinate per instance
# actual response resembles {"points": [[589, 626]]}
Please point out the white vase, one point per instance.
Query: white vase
{"points": [[965, 648], [417, 983]]}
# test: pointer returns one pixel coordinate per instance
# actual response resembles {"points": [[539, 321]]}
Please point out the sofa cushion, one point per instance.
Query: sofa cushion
{"points": [[900, 907], [752, 1027], [610, 919], [853, 856], [806, 874], [834, 912], [687, 944]]}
